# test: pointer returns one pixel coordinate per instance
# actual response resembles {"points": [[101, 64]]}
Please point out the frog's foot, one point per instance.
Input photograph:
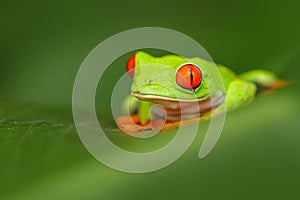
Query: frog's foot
{"points": [[132, 124], [172, 125], [265, 81], [277, 84]]}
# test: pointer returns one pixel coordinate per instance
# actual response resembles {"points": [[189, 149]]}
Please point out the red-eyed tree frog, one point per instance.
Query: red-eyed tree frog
{"points": [[177, 83]]}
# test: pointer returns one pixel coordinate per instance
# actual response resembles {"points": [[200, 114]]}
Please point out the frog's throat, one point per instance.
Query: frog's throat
{"points": [[151, 97], [180, 109]]}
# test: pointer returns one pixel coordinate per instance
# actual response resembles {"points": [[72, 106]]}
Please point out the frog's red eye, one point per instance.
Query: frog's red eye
{"points": [[130, 65], [189, 76]]}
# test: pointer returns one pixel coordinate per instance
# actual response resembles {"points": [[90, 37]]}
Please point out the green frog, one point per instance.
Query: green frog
{"points": [[187, 90]]}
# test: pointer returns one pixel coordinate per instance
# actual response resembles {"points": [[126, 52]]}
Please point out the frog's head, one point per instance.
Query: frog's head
{"points": [[171, 77]]}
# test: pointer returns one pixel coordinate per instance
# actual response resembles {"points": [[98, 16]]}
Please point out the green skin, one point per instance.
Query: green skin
{"points": [[157, 77]]}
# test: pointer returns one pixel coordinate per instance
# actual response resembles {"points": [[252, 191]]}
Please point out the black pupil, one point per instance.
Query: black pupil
{"points": [[191, 75]]}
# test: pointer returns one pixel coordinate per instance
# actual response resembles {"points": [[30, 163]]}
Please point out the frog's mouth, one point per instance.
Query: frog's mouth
{"points": [[178, 109], [153, 97]]}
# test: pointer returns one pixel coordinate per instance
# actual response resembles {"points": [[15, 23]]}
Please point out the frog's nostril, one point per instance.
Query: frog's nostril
{"points": [[150, 81]]}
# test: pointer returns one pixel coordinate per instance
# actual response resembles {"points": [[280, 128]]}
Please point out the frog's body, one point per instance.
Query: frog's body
{"points": [[184, 91]]}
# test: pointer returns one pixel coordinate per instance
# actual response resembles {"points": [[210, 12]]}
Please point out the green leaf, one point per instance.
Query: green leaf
{"points": [[42, 157]]}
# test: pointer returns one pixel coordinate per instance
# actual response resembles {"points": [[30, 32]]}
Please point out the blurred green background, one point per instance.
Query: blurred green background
{"points": [[42, 44]]}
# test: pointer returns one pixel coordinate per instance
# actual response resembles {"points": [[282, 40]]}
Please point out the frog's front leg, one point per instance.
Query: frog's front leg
{"points": [[136, 107], [136, 115]]}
